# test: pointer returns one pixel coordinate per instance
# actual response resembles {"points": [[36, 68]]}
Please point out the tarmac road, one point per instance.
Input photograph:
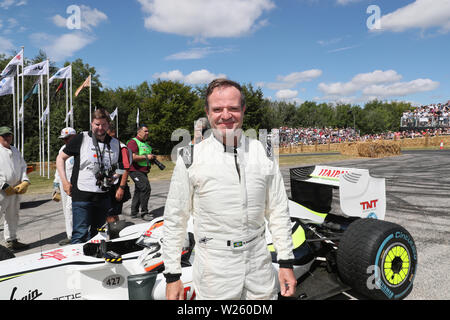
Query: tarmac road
{"points": [[418, 198]]}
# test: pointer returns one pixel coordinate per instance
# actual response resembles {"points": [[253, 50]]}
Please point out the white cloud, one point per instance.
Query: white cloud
{"points": [[374, 85], [303, 76], [345, 2], [421, 14], [66, 45], [343, 49], [202, 76], [6, 45], [59, 21], [196, 53], [286, 94], [5, 4], [291, 80], [401, 89], [12, 26], [174, 75], [90, 18], [359, 82], [377, 76], [328, 42], [204, 19], [61, 47]]}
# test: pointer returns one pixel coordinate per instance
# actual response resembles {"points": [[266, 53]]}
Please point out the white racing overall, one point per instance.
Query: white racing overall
{"points": [[13, 170], [230, 194], [65, 198]]}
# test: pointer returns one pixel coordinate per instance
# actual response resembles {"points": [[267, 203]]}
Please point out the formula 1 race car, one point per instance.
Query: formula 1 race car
{"points": [[356, 249]]}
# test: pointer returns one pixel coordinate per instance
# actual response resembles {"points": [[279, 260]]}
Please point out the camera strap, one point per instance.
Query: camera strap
{"points": [[100, 153]]}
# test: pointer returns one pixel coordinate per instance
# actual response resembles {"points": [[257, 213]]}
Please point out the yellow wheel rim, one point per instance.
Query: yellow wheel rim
{"points": [[396, 264]]}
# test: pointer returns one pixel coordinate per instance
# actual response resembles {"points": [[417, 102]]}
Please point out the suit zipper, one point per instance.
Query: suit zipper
{"points": [[237, 165]]}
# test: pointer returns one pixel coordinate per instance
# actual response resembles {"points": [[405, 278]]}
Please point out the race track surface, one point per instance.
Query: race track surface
{"points": [[418, 198]]}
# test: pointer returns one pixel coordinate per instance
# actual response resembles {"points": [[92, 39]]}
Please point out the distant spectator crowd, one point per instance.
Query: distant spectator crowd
{"points": [[428, 120], [312, 136], [430, 116], [407, 134]]}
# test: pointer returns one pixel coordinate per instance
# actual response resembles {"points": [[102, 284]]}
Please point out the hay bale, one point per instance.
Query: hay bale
{"points": [[349, 149], [378, 149], [371, 149]]}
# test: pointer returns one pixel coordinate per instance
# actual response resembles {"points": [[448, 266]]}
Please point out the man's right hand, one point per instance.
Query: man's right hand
{"points": [[67, 188], [175, 290]]}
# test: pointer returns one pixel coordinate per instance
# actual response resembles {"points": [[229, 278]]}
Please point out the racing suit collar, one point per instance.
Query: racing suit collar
{"points": [[229, 148]]}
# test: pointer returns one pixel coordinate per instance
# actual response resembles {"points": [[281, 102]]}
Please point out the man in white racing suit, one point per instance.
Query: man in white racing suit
{"points": [[230, 187]]}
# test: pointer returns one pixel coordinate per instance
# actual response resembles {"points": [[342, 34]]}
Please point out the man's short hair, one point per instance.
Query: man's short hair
{"points": [[141, 126], [222, 82], [101, 114]]}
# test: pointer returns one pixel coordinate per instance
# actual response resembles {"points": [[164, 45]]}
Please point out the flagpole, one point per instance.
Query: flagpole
{"points": [[39, 117], [117, 123], [71, 98], [14, 112], [42, 127], [48, 128], [67, 101], [17, 110], [90, 99], [23, 108]]}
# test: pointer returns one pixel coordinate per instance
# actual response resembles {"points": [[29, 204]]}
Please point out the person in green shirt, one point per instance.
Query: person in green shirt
{"points": [[139, 169]]}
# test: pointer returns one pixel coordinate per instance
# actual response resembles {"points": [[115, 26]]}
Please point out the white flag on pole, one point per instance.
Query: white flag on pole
{"points": [[11, 66], [113, 115], [36, 69], [44, 115], [21, 114], [137, 118], [63, 73], [6, 86], [68, 115]]}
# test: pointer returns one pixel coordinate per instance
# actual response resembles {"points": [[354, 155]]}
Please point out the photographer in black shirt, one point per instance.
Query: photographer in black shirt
{"points": [[97, 157]]}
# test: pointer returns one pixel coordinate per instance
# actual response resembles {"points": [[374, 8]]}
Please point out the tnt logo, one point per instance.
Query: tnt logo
{"points": [[369, 204]]}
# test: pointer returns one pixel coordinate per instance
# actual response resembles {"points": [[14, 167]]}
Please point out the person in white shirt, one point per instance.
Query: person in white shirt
{"points": [[58, 192]]}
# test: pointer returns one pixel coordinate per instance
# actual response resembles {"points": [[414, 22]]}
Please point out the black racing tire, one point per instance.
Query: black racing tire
{"points": [[5, 253], [378, 259]]}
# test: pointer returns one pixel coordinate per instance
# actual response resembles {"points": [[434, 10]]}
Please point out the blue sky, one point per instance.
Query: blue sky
{"points": [[295, 50]]}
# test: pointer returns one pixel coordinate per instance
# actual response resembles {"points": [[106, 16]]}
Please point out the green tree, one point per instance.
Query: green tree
{"points": [[171, 106], [255, 108]]}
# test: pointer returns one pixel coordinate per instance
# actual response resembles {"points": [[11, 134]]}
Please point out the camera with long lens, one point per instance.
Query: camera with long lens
{"points": [[155, 161], [159, 164], [105, 178]]}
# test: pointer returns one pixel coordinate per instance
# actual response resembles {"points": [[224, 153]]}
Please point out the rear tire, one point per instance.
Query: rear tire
{"points": [[377, 259]]}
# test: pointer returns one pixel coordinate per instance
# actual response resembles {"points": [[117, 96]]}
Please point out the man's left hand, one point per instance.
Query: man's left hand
{"points": [[288, 283], [22, 188]]}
